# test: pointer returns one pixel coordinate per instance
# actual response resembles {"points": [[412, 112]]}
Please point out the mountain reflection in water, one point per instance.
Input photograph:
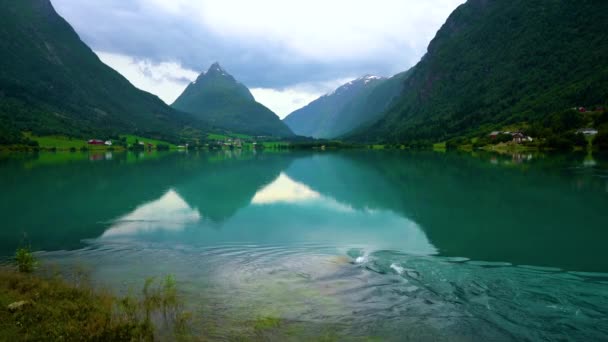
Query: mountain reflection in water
{"points": [[386, 245], [544, 211]]}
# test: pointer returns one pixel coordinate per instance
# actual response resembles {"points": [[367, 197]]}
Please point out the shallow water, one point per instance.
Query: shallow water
{"points": [[335, 245]]}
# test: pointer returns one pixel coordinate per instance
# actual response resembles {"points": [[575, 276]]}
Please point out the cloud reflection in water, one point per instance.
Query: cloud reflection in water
{"points": [[170, 213]]}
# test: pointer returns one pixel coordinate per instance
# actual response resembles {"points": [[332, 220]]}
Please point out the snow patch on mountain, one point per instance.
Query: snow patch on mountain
{"points": [[361, 80]]}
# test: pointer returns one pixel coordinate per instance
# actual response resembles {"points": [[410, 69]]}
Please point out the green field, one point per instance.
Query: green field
{"points": [[275, 144], [131, 140], [215, 136], [64, 143], [61, 142]]}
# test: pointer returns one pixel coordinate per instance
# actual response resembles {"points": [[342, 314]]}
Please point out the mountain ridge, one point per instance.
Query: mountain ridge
{"points": [[325, 117], [218, 98], [53, 83], [497, 63]]}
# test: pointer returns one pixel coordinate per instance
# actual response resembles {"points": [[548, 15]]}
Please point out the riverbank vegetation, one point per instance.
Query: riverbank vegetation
{"points": [[39, 305], [566, 130]]}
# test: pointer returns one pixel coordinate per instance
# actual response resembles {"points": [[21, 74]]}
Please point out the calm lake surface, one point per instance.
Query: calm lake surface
{"points": [[337, 245]]}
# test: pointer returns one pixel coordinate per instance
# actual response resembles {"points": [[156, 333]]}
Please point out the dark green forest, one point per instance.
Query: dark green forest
{"points": [[52, 83], [497, 63]]}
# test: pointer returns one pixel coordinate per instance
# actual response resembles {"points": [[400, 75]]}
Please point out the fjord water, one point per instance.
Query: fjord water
{"points": [[335, 245]]}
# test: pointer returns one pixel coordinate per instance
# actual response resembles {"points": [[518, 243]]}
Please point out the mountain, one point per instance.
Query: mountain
{"points": [[366, 109], [338, 112], [218, 98], [495, 63], [53, 83]]}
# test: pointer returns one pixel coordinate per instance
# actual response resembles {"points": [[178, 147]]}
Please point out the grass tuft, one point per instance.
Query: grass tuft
{"points": [[26, 262], [53, 309]]}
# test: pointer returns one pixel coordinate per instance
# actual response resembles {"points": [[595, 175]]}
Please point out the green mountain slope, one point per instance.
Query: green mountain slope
{"points": [[338, 112], [52, 83], [366, 109], [218, 98], [497, 62]]}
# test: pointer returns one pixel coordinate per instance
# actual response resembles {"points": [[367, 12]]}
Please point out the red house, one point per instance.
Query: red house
{"points": [[95, 142]]}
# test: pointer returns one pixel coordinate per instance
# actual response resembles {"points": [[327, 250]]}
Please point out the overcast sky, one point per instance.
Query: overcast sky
{"points": [[287, 52]]}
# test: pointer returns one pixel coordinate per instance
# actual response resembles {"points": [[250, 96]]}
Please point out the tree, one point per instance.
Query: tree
{"points": [[601, 141]]}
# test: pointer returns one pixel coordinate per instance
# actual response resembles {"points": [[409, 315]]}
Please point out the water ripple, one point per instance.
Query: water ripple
{"points": [[391, 293]]}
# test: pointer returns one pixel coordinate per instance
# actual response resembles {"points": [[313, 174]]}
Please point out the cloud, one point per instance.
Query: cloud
{"points": [[328, 31], [286, 100], [167, 80], [168, 213], [283, 102], [266, 44], [285, 190]]}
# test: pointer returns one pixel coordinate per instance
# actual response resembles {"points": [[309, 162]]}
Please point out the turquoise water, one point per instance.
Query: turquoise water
{"points": [[336, 245]]}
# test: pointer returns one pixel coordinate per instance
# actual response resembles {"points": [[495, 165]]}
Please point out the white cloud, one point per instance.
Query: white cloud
{"points": [[287, 51], [336, 30], [167, 80], [266, 43], [286, 100], [168, 213], [322, 30], [285, 190]]}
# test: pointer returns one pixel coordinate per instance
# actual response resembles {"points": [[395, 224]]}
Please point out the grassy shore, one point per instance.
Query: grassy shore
{"points": [[63, 143], [42, 307], [510, 148], [133, 139]]}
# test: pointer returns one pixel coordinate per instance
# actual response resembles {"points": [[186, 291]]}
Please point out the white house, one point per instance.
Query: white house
{"points": [[587, 131]]}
